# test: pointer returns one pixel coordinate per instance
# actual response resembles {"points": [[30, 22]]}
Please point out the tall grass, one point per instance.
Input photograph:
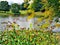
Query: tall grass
{"points": [[28, 37]]}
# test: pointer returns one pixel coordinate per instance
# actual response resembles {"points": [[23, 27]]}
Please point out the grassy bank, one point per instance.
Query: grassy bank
{"points": [[5, 14], [22, 13], [29, 37], [9, 13]]}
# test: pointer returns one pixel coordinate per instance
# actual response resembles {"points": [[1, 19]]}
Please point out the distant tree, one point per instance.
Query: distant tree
{"points": [[24, 6], [4, 6], [36, 5], [15, 8]]}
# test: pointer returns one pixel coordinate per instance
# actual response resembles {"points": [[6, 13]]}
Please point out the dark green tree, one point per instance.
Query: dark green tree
{"points": [[24, 6], [36, 5], [15, 9], [4, 6]]}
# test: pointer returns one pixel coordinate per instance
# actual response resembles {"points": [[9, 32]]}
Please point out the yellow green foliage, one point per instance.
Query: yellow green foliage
{"points": [[49, 12], [39, 19], [25, 6], [57, 25], [30, 14], [29, 37], [44, 1], [30, 17], [45, 25]]}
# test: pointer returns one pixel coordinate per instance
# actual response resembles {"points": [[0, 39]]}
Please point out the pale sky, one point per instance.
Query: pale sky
{"points": [[14, 1]]}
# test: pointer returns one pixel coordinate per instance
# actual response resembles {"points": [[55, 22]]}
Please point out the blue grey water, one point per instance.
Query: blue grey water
{"points": [[23, 22]]}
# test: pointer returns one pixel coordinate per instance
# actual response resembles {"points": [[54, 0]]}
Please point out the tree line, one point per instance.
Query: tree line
{"points": [[4, 6], [37, 5]]}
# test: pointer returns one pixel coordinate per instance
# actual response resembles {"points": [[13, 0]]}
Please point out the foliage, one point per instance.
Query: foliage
{"points": [[15, 8], [28, 37], [36, 5], [45, 26], [55, 4], [4, 6], [23, 12], [30, 14], [24, 6], [26, 1]]}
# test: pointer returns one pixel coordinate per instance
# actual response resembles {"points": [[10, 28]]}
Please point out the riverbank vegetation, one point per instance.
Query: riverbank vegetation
{"points": [[45, 7], [29, 37]]}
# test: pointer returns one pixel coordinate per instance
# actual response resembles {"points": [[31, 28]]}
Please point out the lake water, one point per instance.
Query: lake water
{"points": [[22, 22]]}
